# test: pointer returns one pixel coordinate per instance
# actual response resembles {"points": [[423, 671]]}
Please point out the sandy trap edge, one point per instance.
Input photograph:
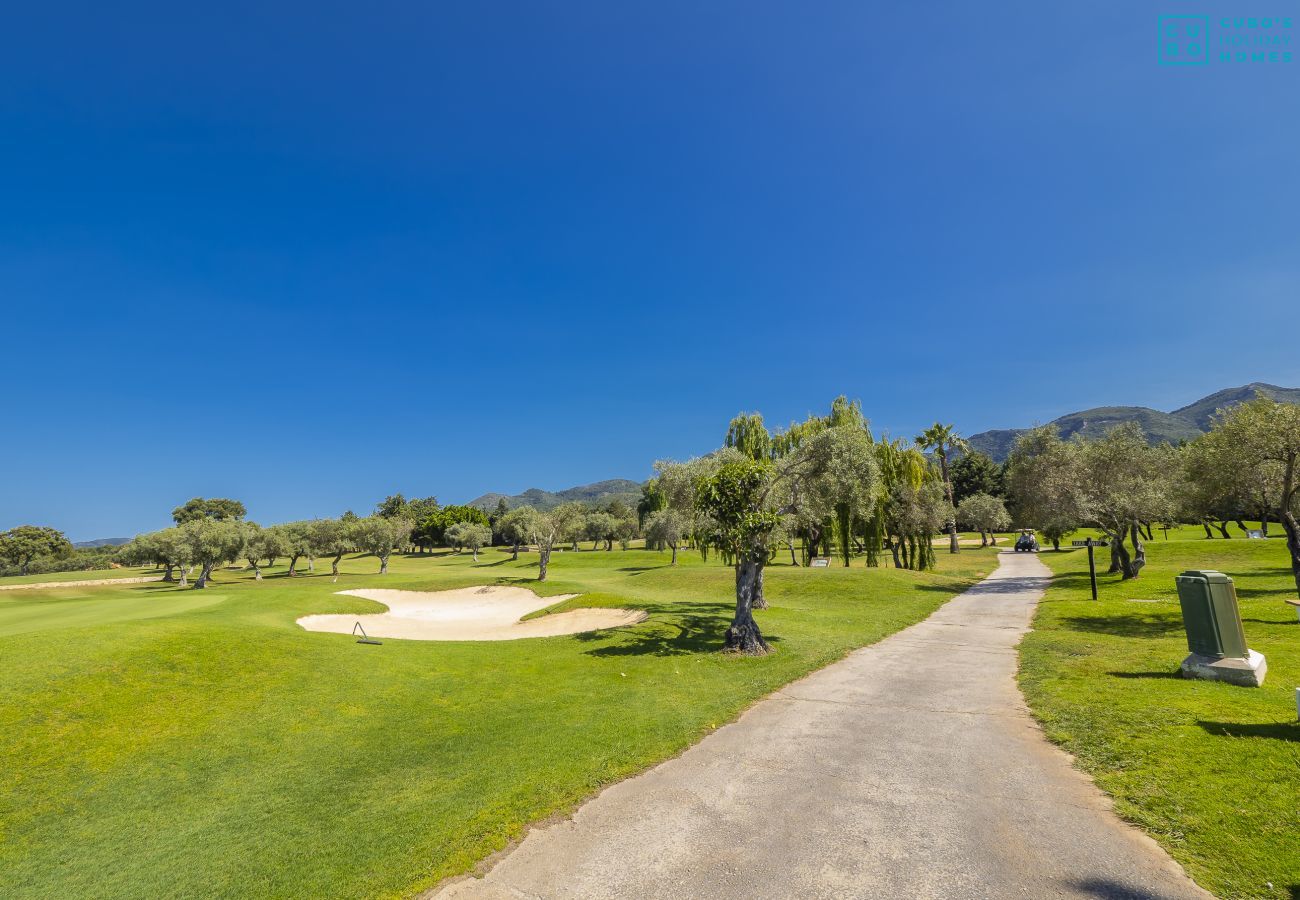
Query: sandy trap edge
{"points": [[490, 613]]}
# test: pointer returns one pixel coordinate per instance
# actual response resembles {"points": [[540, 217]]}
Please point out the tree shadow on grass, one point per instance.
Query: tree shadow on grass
{"points": [[1280, 731], [1124, 625], [1272, 621], [674, 629], [1175, 673]]}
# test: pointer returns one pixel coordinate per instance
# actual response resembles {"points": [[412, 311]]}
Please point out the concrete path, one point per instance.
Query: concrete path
{"points": [[910, 769]]}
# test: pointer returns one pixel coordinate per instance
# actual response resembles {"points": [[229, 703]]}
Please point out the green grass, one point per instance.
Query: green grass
{"points": [[1212, 771], [214, 748], [81, 575]]}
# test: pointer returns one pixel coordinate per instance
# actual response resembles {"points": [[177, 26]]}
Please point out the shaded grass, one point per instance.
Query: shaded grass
{"points": [[222, 750], [1212, 771]]}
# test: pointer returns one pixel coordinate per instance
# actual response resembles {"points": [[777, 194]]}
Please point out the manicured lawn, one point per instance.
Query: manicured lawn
{"points": [[1210, 770], [84, 575], [215, 748]]}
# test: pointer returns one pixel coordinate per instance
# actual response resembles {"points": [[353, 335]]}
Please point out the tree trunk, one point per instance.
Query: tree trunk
{"points": [[674, 546], [543, 560], [893, 549], [1223, 530], [794, 560], [743, 635], [257, 571], [1139, 552], [293, 564], [1242, 526], [759, 600], [185, 576], [515, 552], [993, 539], [1116, 550], [311, 564], [334, 566], [204, 574], [1292, 528], [984, 539], [168, 577], [1209, 535], [1056, 544], [383, 564], [476, 554], [1119, 556]]}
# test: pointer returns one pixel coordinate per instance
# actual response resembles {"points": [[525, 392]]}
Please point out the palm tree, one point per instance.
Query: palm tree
{"points": [[943, 439]]}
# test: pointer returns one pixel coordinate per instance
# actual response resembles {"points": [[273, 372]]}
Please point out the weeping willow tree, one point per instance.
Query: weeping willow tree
{"points": [[749, 435], [912, 508]]}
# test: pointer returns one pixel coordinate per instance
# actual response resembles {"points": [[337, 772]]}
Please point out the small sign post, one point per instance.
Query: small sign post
{"points": [[1092, 565]]}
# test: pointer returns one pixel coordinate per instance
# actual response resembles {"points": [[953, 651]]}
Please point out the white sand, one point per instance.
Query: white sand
{"points": [[468, 614]]}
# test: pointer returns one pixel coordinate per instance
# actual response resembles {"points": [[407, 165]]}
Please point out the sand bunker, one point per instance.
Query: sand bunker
{"points": [[468, 614]]}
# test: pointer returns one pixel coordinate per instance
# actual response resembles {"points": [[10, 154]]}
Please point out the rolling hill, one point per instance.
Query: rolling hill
{"points": [[599, 492], [1184, 423]]}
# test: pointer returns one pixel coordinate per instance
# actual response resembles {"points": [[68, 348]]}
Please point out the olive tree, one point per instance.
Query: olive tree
{"points": [[666, 527], [210, 543], [380, 536], [834, 475], [737, 502], [513, 528], [986, 514], [1261, 439], [1124, 483], [471, 535], [545, 528], [262, 543], [297, 542], [599, 528], [19, 546], [1044, 481], [219, 508], [330, 537]]}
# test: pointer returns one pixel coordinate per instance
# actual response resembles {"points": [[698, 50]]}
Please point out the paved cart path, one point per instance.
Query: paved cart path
{"points": [[909, 769]]}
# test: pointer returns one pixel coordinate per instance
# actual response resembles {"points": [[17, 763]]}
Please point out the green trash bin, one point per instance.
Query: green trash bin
{"points": [[1214, 633]]}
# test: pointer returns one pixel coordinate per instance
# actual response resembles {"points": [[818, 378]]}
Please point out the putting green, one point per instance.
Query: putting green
{"points": [[23, 612]]}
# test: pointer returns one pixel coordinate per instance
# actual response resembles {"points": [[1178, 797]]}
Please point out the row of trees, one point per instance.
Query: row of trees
{"points": [[208, 542], [1246, 466]]}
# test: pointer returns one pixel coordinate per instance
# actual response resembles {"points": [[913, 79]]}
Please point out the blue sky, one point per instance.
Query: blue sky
{"points": [[310, 254]]}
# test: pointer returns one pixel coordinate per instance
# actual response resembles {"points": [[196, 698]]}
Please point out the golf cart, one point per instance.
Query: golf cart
{"points": [[1026, 542]]}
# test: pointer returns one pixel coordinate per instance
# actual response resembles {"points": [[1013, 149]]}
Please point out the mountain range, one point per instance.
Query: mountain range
{"points": [[600, 492], [1182, 424]]}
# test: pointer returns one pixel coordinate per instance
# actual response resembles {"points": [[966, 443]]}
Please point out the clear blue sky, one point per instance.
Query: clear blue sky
{"points": [[308, 254]]}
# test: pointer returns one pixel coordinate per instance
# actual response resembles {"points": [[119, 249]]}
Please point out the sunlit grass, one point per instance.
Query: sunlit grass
{"points": [[1211, 770], [221, 750]]}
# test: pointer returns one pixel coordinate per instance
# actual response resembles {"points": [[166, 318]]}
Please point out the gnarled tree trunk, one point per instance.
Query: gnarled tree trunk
{"points": [[383, 564], [1139, 552], [204, 574], [543, 560], [759, 600], [743, 635]]}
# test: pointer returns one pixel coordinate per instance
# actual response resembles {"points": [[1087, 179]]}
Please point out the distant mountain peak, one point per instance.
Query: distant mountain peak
{"points": [[597, 492], [1182, 424]]}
